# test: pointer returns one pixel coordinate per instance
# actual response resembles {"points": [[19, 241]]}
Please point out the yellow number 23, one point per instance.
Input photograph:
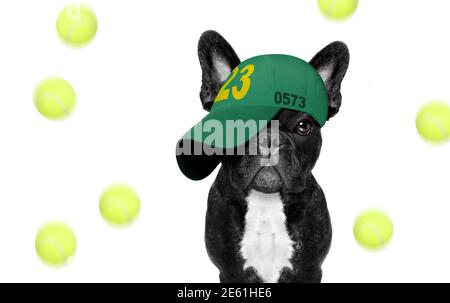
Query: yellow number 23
{"points": [[237, 93]]}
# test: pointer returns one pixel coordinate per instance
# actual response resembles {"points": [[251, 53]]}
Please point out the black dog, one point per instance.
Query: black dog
{"points": [[270, 223]]}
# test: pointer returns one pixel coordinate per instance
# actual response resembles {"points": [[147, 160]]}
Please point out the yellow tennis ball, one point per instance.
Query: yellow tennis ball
{"points": [[119, 204], [55, 243], [373, 229], [54, 98], [76, 25], [433, 122], [338, 9]]}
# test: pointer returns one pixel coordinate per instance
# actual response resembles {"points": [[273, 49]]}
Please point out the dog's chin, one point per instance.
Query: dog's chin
{"points": [[267, 180]]}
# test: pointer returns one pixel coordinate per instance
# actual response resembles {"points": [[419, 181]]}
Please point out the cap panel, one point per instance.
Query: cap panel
{"points": [[276, 80], [298, 86]]}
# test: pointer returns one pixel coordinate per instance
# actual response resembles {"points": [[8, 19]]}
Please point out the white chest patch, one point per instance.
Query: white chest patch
{"points": [[266, 245]]}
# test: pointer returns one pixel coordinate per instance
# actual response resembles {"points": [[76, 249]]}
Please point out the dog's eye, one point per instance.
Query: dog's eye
{"points": [[303, 128]]}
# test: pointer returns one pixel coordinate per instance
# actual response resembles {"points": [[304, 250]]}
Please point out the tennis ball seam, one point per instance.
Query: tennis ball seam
{"points": [[70, 32], [376, 231], [123, 206], [332, 6], [438, 123], [73, 25], [59, 247], [58, 100]]}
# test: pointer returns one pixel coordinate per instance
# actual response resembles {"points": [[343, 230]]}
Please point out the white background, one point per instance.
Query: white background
{"points": [[138, 85]]}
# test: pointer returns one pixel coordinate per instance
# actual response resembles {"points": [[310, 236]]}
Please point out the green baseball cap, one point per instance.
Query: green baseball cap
{"points": [[254, 93]]}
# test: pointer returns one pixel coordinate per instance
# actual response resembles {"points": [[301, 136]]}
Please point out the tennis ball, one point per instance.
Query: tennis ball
{"points": [[119, 204], [433, 122], [54, 98], [76, 25], [373, 229], [55, 243], [338, 9]]}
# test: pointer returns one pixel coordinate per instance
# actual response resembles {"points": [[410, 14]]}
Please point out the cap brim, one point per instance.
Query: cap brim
{"points": [[200, 150]]}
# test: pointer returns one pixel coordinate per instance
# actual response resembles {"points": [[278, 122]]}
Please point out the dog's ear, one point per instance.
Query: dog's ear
{"points": [[217, 59], [332, 63]]}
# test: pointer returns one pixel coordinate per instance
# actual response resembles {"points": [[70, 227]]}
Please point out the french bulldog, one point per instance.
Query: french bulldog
{"points": [[270, 223]]}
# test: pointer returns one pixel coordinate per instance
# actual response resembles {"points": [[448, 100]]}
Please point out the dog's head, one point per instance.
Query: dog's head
{"points": [[298, 140]]}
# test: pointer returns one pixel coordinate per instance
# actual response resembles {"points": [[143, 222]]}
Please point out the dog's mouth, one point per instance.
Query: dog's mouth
{"points": [[267, 180]]}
